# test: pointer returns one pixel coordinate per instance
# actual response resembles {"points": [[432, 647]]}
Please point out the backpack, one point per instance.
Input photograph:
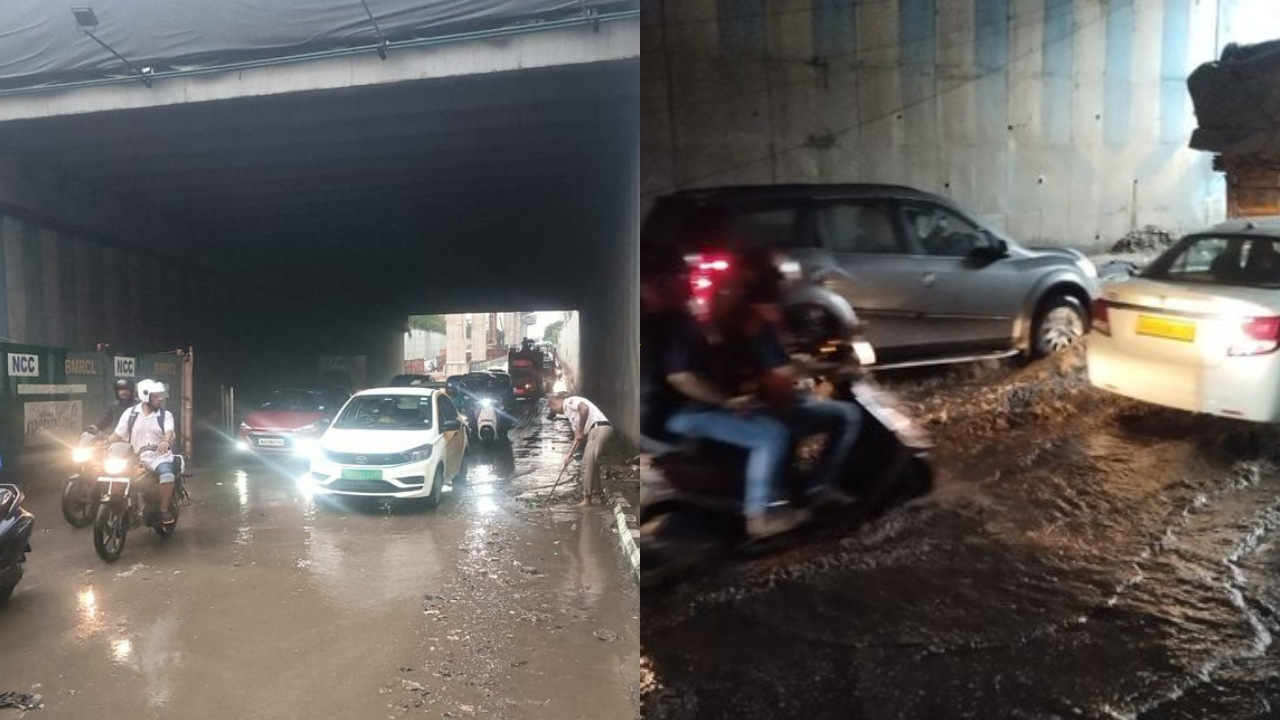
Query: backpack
{"points": [[133, 418]]}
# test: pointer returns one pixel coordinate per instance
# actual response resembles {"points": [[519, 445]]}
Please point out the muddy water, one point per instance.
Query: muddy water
{"points": [[267, 605], [1083, 557]]}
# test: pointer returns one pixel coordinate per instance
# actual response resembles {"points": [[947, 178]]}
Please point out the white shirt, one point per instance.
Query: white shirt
{"points": [[146, 432], [572, 410]]}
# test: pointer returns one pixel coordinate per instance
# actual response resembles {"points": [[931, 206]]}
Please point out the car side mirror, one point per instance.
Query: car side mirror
{"points": [[451, 425], [993, 249]]}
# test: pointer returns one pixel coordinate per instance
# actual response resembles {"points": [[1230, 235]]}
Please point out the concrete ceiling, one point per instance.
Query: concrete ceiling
{"points": [[480, 192]]}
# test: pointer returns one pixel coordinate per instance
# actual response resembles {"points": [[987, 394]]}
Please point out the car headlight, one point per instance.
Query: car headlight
{"points": [[417, 454], [115, 466], [244, 427], [81, 455]]}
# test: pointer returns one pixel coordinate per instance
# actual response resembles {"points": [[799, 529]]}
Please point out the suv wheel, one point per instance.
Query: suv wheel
{"points": [[1060, 323]]}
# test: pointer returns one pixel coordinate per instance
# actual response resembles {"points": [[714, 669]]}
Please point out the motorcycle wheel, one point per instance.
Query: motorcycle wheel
{"points": [[164, 530], [110, 527], [77, 505]]}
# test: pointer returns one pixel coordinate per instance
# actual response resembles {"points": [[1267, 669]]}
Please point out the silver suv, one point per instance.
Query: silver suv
{"points": [[933, 285]]}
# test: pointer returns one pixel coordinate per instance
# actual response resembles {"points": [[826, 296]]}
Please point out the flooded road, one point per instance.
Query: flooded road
{"points": [[1083, 556], [265, 605]]}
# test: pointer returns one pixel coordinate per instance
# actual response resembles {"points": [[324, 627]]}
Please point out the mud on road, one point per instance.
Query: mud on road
{"points": [[266, 604], [1083, 556]]}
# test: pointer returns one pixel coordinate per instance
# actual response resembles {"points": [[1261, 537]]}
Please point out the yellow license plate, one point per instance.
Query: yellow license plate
{"points": [[1180, 330]]}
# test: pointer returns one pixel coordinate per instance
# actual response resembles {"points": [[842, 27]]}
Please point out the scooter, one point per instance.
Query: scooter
{"points": [[16, 525], [81, 494], [129, 501], [691, 491], [487, 428]]}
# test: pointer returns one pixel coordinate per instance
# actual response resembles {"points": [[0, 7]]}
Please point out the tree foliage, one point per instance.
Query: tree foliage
{"points": [[552, 333], [430, 323]]}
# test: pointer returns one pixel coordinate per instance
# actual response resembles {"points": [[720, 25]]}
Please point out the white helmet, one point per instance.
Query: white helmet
{"points": [[147, 387]]}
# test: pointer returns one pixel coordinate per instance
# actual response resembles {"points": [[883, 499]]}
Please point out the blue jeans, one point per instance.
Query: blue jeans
{"points": [[766, 439], [840, 422], [164, 471]]}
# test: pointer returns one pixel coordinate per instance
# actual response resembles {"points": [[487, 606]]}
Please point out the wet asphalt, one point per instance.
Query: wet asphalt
{"points": [[265, 604], [1082, 557]]}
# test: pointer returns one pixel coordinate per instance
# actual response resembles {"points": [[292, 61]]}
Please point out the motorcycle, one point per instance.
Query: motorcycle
{"points": [[16, 525], [487, 428], [129, 500], [691, 491], [81, 494]]}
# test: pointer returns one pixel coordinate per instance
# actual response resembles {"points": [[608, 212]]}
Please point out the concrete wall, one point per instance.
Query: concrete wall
{"points": [[1059, 121]]}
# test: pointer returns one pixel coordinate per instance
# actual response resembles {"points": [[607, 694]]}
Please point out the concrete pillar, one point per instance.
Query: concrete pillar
{"points": [[455, 344], [54, 310], [15, 279]]}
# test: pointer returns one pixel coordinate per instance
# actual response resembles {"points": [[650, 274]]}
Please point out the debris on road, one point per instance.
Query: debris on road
{"points": [[21, 701]]}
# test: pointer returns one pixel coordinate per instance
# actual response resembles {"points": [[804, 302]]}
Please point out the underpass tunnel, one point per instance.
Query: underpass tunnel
{"points": [[271, 232]]}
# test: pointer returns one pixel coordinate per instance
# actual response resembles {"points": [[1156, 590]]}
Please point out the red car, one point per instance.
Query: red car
{"points": [[290, 422]]}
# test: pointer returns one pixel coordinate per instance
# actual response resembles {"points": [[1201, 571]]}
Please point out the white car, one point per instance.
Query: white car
{"points": [[1198, 330], [392, 442]]}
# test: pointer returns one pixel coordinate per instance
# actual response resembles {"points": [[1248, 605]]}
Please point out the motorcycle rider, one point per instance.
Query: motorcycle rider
{"points": [[124, 401], [149, 429], [681, 395], [746, 317]]}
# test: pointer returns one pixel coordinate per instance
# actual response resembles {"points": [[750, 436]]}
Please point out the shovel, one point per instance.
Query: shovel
{"points": [[561, 475]]}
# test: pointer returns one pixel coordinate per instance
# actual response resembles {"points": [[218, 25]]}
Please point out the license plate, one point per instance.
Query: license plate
{"points": [[114, 480], [1166, 328], [270, 442], [362, 474]]}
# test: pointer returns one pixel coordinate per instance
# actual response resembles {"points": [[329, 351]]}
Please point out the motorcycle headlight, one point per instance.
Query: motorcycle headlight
{"points": [[486, 403], [81, 455], [418, 454], [115, 466]]}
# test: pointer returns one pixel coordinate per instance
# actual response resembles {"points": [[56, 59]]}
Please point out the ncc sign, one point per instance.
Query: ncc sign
{"points": [[126, 367], [23, 365]]}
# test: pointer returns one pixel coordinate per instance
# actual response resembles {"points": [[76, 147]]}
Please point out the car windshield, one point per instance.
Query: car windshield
{"points": [[298, 401], [386, 412], [1240, 261]]}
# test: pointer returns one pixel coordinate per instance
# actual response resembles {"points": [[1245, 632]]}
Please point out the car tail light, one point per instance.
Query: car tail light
{"points": [[1258, 336], [1100, 317], [705, 272]]}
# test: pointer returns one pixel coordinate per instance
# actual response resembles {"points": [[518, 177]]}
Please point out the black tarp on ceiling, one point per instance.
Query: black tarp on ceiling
{"points": [[1237, 101], [40, 41]]}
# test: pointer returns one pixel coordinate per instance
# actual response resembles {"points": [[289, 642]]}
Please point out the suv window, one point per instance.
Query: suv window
{"points": [[864, 227], [940, 232], [743, 226]]}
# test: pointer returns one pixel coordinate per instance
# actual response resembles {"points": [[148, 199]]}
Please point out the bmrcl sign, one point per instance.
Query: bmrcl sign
{"points": [[23, 365]]}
